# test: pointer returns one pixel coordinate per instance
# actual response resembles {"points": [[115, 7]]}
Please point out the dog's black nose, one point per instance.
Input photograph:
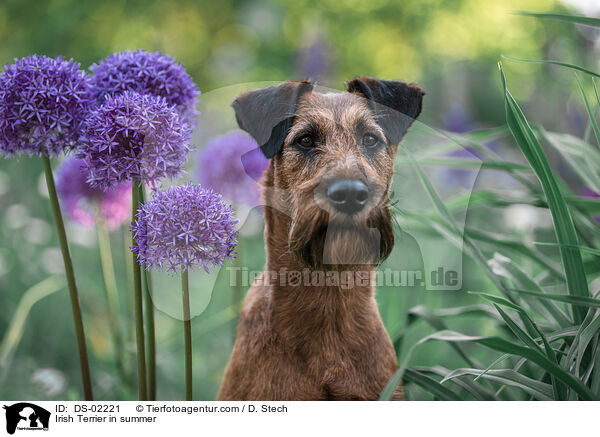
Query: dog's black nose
{"points": [[348, 195]]}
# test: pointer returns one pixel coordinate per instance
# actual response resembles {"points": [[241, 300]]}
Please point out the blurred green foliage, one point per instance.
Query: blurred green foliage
{"points": [[451, 48], [227, 42]]}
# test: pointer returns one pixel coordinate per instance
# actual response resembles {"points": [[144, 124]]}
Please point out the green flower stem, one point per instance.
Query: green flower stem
{"points": [[150, 334], [150, 331], [137, 302], [112, 296], [237, 289], [187, 330], [14, 332], [64, 246], [127, 242]]}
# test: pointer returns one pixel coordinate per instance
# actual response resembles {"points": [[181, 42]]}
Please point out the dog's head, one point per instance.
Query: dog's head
{"points": [[332, 161]]}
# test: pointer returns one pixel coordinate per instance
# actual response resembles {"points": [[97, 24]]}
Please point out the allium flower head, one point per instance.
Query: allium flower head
{"points": [[588, 192], [82, 201], [230, 165], [43, 103], [184, 227], [146, 73], [315, 60], [134, 136]]}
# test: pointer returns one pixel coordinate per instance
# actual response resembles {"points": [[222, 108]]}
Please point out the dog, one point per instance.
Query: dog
{"points": [[305, 332]]}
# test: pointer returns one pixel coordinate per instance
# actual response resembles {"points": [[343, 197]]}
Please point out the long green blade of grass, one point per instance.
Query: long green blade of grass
{"points": [[582, 248], [537, 389], [455, 142], [15, 330], [595, 387], [560, 392], [563, 222], [475, 164], [517, 245], [500, 345], [475, 310], [436, 322], [559, 63], [588, 109], [516, 329], [578, 301], [577, 19], [581, 156], [431, 385], [449, 229], [528, 321], [597, 94], [541, 360], [470, 386], [561, 334], [506, 267], [586, 332]]}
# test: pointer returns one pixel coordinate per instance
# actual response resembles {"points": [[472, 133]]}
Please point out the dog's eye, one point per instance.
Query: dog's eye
{"points": [[370, 140], [306, 141]]}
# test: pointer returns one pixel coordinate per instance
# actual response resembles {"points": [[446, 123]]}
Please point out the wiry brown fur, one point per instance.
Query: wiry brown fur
{"points": [[300, 342]]}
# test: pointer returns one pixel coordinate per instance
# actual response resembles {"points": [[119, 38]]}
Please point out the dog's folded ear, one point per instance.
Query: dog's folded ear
{"points": [[396, 104], [268, 113]]}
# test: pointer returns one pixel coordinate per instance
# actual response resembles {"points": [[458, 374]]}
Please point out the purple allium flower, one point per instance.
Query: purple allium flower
{"points": [[146, 73], [82, 202], [315, 61], [230, 164], [184, 227], [458, 119], [43, 103], [134, 136], [588, 192]]}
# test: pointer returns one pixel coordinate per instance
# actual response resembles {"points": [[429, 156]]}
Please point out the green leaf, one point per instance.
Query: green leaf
{"points": [[589, 109], [588, 329], [500, 345], [482, 310], [537, 389], [431, 385], [449, 229], [559, 390], [390, 388], [543, 61], [504, 266], [563, 222], [436, 322], [582, 248], [475, 163], [517, 245], [588, 205], [577, 19], [541, 360], [14, 331], [454, 141], [597, 94], [516, 329], [471, 386], [595, 387], [563, 333], [581, 156], [573, 300]]}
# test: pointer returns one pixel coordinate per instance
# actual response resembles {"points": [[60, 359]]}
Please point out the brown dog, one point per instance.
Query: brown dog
{"points": [[310, 328]]}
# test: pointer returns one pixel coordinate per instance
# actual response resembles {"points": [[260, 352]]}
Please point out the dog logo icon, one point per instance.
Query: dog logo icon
{"points": [[26, 416]]}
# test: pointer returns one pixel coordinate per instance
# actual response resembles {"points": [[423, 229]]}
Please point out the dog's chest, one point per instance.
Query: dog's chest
{"points": [[347, 373]]}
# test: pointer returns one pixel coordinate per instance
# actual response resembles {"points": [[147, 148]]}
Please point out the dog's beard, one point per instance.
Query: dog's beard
{"points": [[319, 241]]}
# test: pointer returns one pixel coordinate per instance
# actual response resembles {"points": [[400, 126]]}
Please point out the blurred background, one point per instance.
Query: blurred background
{"points": [[450, 48]]}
